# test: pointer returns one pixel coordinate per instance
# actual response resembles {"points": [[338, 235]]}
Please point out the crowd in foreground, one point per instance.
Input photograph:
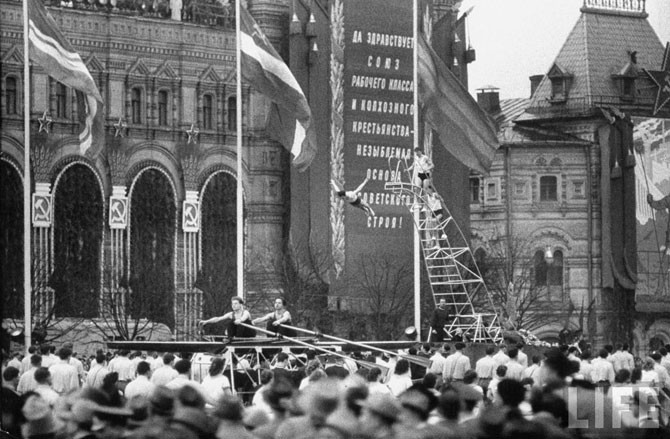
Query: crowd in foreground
{"points": [[427, 392]]}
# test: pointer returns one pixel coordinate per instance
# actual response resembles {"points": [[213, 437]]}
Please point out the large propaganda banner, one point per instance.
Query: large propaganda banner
{"points": [[377, 123]]}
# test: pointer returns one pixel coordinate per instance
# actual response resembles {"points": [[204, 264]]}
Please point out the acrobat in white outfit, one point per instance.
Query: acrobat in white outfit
{"points": [[353, 197]]}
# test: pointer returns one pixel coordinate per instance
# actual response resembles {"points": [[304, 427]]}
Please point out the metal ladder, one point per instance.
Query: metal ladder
{"points": [[450, 265]]}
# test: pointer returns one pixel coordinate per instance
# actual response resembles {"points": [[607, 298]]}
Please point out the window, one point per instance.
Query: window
{"points": [[61, 100], [628, 88], [163, 108], [555, 270], [207, 112], [539, 269], [10, 95], [136, 105], [474, 190], [232, 113], [548, 188], [557, 88]]}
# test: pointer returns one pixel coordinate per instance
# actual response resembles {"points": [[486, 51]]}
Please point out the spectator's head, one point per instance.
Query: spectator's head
{"points": [[536, 359], [45, 349], [490, 350], [446, 348], [449, 404], [374, 374], [161, 402], [501, 371], [459, 345], [35, 360], [64, 353], [42, 375], [574, 350], [183, 367], [520, 345], [622, 376], [10, 375], [656, 356], [513, 353], [663, 352], [229, 407], [40, 422], [429, 380], [216, 367], [356, 391], [279, 394], [266, 376], [100, 358], [550, 403], [556, 366], [282, 357], [401, 367], [609, 348], [469, 376], [586, 355], [379, 410], [143, 368], [412, 351], [426, 347], [603, 353], [417, 403], [636, 375], [511, 392], [168, 358], [625, 346]]}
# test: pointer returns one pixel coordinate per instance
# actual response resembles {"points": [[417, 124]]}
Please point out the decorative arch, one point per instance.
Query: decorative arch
{"points": [[77, 275], [152, 155], [151, 257], [71, 159]]}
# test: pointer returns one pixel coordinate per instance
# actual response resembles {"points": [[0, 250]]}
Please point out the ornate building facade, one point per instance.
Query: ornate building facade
{"points": [[565, 184], [147, 228]]}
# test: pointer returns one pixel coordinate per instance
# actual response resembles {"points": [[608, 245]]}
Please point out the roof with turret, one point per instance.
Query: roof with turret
{"points": [[603, 45]]}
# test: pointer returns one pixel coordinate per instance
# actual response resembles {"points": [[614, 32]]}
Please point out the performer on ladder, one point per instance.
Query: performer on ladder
{"points": [[422, 166], [438, 321], [435, 213], [353, 197], [662, 204], [276, 318], [232, 320]]}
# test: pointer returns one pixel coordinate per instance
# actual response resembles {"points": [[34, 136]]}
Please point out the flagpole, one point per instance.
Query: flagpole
{"points": [[416, 212], [27, 265], [239, 221]]}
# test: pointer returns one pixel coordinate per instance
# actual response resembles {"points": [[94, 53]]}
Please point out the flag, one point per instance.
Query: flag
{"points": [[50, 49], [464, 129], [290, 119]]}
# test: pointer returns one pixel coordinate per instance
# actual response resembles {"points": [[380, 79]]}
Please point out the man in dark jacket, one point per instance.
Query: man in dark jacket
{"points": [[439, 318]]}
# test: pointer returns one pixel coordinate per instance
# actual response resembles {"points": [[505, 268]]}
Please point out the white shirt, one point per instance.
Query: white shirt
{"points": [[436, 364], [533, 371], [25, 364], [399, 383], [602, 370], [163, 375], [96, 375], [139, 386], [27, 381], [486, 367], [259, 401], [214, 387], [64, 377], [455, 366], [423, 164], [663, 378], [80, 368], [501, 358], [15, 362], [48, 394], [522, 359], [514, 370], [123, 366], [181, 381], [378, 388], [49, 360], [585, 370]]}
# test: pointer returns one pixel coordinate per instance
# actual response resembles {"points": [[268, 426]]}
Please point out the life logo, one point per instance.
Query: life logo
{"points": [[191, 216], [118, 212], [42, 208]]}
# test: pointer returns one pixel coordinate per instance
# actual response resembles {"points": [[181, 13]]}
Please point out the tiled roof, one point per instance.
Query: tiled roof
{"points": [[598, 47]]}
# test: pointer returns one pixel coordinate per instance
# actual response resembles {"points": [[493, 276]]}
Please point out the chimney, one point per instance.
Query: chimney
{"points": [[488, 98], [534, 83]]}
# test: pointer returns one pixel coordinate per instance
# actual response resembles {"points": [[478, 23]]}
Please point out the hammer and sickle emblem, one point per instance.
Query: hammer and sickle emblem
{"points": [[118, 211], [42, 209]]}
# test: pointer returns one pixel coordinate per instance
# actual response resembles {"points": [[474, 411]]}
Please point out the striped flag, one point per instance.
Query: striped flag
{"points": [[465, 130], [50, 49], [290, 119]]}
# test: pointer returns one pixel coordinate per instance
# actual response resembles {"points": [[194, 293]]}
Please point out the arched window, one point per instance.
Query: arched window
{"points": [[207, 112], [539, 269], [162, 108], [555, 270], [61, 100], [136, 105], [10, 95], [232, 113]]}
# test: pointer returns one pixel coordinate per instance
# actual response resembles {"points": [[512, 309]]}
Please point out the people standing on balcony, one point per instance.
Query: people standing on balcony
{"points": [[276, 318], [422, 167], [233, 320], [353, 197]]}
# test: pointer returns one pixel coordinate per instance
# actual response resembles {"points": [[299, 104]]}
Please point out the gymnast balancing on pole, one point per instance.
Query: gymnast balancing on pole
{"points": [[353, 197]]}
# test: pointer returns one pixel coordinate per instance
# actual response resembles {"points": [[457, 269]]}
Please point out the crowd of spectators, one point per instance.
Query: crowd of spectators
{"points": [[432, 391]]}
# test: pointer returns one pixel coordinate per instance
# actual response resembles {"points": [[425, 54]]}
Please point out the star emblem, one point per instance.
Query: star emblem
{"points": [[120, 127], [662, 80], [192, 134], [45, 122]]}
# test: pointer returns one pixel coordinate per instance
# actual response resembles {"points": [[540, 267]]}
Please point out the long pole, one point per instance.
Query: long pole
{"points": [[239, 204], [416, 213], [27, 265]]}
